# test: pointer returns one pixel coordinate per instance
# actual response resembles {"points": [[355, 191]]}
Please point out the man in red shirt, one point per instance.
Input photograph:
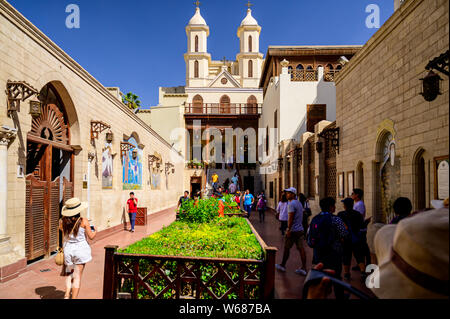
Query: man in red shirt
{"points": [[132, 210]]}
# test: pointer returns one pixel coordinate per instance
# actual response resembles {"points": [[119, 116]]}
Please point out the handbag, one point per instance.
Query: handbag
{"points": [[59, 259]]}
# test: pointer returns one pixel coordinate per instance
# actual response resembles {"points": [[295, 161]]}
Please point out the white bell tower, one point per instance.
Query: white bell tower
{"points": [[197, 57], [249, 58]]}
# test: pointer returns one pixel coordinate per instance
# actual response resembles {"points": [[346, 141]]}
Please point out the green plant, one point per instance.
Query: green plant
{"points": [[131, 100]]}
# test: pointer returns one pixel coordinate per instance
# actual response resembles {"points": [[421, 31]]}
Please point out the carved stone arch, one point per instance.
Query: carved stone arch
{"points": [[66, 94], [50, 125]]}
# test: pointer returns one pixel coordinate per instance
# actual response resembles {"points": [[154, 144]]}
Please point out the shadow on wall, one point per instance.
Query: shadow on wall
{"points": [[49, 292]]}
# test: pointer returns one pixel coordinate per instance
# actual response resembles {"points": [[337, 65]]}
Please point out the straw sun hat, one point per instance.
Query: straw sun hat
{"points": [[73, 207], [414, 257]]}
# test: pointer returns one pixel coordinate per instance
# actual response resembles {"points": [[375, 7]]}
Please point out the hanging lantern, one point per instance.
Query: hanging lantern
{"points": [[319, 147], [35, 108], [431, 86], [109, 136]]}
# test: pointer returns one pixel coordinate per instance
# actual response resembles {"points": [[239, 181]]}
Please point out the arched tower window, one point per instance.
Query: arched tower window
{"points": [[299, 67], [196, 69], [196, 43], [250, 43], [330, 67], [250, 68]]}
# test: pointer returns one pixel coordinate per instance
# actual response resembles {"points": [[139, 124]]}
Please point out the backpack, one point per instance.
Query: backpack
{"points": [[320, 234]]}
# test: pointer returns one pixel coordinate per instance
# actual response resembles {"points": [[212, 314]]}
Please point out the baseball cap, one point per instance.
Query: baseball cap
{"points": [[292, 190]]}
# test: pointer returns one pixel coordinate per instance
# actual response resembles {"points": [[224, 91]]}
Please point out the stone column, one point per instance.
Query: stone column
{"points": [[7, 255], [6, 135]]}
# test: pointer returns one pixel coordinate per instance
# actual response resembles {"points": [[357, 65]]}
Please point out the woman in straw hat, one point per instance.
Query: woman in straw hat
{"points": [[77, 251]]}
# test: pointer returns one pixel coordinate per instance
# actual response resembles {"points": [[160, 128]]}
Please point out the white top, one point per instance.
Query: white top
{"points": [[361, 208], [197, 19], [282, 209], [249, 20]]}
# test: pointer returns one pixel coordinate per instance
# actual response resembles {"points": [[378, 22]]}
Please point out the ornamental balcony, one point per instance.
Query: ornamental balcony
{"points": [[223, 109]]}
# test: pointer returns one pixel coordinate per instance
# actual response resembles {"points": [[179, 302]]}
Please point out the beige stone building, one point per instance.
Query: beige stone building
{"points": [[82, 141], [392, 142]]}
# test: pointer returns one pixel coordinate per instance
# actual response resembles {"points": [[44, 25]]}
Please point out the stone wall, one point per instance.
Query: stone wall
{"points": [[26, 54], [378, 93]]}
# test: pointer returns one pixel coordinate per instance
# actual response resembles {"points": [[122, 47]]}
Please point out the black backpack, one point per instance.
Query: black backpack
{"points": [[320, 234]]}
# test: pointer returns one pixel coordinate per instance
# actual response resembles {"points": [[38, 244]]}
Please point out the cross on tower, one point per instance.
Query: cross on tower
{"points": [[249, 4], [197, 3], [224, 61]]}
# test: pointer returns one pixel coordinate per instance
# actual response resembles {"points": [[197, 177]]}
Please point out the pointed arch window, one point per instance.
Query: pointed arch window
{"points": [[196, 43], [195, 69], [299, 67], [250, 43], [250, 68]]}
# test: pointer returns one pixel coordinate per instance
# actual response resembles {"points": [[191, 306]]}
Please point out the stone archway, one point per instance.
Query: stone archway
{"points": [[387, 175], [49, 169], [419, 180]]}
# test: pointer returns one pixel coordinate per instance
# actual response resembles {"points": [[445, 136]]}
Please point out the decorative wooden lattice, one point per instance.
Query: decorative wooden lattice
{"points": [[176, 277], [311, 167], [18, 91], [97, 127], [331, 134], [330, 75], [50, 125], [304, 75], [167, 277]]}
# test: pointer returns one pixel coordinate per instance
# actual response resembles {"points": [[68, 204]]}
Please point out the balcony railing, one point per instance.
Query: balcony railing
{"points": [[223, 108], [304, 75], [312, 75], [330, 75]]}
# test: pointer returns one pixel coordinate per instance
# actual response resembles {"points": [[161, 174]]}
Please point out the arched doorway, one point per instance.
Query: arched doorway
{"points": [[197, 103], [225, 107], [419, 180], [49, 170], [388, 177]]}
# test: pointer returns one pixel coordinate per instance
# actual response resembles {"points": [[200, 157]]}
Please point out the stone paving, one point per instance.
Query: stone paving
{"points": [[41, 280]]}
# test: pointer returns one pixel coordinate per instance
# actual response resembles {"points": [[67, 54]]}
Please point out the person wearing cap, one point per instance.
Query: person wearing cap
{"points": [[352, 244], [77, 251], [295, 233], [413, 259]]}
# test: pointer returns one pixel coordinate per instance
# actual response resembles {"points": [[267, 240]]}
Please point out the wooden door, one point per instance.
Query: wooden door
{"points": [[330, 169], [34, 217]]}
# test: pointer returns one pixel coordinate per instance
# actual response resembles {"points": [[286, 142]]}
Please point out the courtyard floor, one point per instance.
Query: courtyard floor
{"points": [[41, 280]]}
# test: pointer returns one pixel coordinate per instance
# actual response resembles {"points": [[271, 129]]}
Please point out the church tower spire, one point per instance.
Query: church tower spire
{"points": [[197, 57], [249, 58]]}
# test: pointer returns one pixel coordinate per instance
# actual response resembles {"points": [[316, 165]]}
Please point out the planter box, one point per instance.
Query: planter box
{"points": [[186, 277]]}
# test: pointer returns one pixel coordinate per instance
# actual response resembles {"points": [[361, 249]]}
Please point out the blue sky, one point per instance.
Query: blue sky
{"points": [[138, 45]]}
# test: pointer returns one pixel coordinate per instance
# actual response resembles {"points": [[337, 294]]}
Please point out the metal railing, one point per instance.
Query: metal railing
{"points": [[223, 108]]}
